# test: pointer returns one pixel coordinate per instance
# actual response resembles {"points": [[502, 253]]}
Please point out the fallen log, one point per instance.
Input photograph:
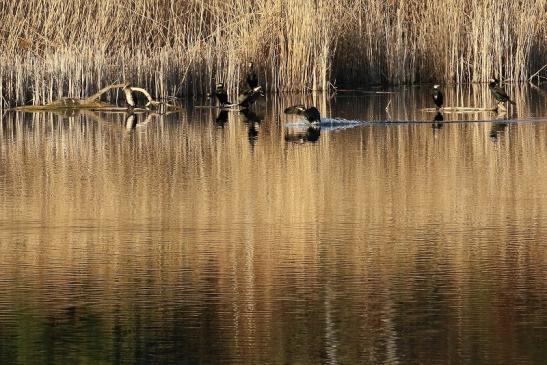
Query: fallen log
{"points": [[93, 102]]}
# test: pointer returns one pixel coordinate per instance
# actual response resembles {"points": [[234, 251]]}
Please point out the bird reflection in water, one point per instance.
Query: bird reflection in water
{"points": [[311, 134], [253, 123], [437, 122], [498, 127], [222, 118], [313, 119], [130, 122]]}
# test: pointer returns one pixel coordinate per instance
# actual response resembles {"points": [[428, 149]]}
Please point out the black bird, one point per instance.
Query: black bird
{"points": [[499, 94], [438, 97], [311, 114], [221, 94], [248, 97], [252, 78]]}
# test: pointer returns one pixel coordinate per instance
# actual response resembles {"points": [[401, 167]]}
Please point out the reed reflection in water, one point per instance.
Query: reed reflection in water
{"points": [[217, 239]]}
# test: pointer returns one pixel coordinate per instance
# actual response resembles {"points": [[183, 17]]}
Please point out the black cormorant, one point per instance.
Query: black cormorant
{"points": [[248, 97], [252, 78], [221, 94], [438, 97], [311, 114], [499, 94]]}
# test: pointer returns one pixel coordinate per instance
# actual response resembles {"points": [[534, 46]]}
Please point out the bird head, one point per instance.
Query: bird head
{"points": [[250, 65], [220, 85], [436, 86]]}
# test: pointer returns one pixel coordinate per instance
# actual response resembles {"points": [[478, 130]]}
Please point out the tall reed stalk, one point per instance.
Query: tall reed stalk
{"points": [[52, 48]]}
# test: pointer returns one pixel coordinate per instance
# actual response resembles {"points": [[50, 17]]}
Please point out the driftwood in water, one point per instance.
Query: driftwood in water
{"points": [[461, 109], [93, 102]]}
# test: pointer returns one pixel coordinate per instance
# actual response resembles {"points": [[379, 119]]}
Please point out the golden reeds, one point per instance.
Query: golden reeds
{"points": [[53, 48]]}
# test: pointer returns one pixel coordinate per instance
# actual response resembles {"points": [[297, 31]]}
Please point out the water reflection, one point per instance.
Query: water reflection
{"points": [[437, 121], [252, 120], [301, 135], [130, 122], [222, 118], [185, 244], [496, 129]]}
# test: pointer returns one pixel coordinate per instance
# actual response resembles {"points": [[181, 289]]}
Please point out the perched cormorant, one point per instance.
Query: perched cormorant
{"points": [[249, 97], [252, 78], [311, 114], [498, 92], [221, 94], [438, 97]]}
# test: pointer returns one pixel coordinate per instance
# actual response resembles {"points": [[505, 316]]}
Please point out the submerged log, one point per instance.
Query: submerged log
{"points": [[93, 102], [460, 109]]}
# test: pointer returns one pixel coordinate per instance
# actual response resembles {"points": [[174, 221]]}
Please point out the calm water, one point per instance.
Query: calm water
{"points": [[205, 238]]}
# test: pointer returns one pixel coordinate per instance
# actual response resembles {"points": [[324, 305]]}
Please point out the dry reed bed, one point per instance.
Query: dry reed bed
{"points": [[52, 48]]}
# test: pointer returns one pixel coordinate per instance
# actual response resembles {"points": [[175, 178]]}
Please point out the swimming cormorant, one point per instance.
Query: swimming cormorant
{"points": [[311, 114], [252, 78], [438, 97], [499, 94]]}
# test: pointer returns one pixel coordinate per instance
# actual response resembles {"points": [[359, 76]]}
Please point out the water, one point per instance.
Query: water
{"points": [[197, 239]]}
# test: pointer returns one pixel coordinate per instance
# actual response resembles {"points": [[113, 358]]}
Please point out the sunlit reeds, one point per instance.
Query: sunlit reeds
{"points": [[52, 48]]}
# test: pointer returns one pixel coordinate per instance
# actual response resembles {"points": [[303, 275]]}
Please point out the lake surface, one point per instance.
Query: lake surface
{"points": [[206, 238]]}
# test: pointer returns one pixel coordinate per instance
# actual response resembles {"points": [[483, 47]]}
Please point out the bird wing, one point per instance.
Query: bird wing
{"points": [[295, 109], [500, 91]]}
